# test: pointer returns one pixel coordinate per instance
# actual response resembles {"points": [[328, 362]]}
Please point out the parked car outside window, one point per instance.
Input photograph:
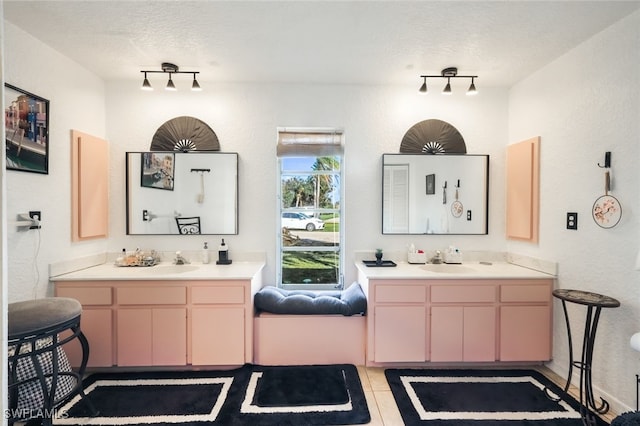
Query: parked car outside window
{"points": [[295, 220]]}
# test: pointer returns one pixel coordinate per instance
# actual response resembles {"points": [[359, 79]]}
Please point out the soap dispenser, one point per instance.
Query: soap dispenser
{"points": [[205, 254], [223, 254]]}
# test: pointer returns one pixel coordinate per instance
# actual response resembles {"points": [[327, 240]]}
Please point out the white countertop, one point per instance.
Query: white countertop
{"points": [[466, 270], [165, 271]]}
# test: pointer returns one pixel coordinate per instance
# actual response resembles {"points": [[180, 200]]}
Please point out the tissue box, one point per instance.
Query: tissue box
{"points": [[417, 257], [452, 256]]}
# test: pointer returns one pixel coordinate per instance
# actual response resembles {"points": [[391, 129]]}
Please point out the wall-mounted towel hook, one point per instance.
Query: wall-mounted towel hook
{"points": [[607, 160], [444, 193]]}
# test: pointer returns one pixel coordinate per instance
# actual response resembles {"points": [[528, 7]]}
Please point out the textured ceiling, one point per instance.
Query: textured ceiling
{"points": [[347, 42]]}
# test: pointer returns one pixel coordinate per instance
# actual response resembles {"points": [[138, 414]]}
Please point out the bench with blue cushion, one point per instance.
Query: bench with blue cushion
{"points": [[350, 301], [298, 327]]}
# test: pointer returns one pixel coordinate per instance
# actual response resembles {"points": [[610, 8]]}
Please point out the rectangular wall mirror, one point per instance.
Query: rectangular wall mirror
{"points": [[435, 194], [167, 189]]}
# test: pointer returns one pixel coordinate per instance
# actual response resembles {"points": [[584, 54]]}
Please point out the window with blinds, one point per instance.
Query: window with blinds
{"points": [[310, 208]]}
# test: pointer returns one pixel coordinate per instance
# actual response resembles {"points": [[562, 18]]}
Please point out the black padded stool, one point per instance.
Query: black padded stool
{"points": [[40, 377]]}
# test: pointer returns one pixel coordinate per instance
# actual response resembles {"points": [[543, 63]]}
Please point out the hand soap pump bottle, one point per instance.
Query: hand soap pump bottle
{"points": [[223, 254], [205, 254]]}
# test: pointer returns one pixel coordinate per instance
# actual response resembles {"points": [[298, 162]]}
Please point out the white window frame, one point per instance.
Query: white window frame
{"points": [[325, 142]]}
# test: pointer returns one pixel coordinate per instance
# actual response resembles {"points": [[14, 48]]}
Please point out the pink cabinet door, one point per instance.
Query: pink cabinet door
{"points": [[447, 323], [96, 325], [400, 333], [479, 333], [134, 337], [90, 186], [463, 333], [525, 333], [523, 190], [218, 336], [155, 336], [169, 336]]}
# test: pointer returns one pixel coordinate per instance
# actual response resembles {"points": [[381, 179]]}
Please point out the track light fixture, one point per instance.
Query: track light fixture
{"points": [[170, 69], [449, 73]]}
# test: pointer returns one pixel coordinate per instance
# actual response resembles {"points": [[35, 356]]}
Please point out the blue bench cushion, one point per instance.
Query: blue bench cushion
{"points": [[630, 418], [350, 301]]}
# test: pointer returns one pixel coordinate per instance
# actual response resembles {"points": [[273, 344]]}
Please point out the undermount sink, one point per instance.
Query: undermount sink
{"points": [[171, 269], [447, 268]]}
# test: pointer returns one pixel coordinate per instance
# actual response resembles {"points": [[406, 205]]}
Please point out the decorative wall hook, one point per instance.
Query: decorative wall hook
{"points": [[607, 160], [444, 193]]}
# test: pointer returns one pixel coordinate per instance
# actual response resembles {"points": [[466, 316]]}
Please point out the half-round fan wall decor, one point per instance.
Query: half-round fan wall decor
{"points": [[185, 134], [433, 137]]}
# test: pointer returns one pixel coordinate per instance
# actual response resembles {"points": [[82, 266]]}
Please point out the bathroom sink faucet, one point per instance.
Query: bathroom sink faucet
{"points": [[180, 260], [437, 258]]}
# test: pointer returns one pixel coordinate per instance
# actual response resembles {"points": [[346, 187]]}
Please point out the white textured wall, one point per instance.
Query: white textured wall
{"points": [[583, 104], [245, 118], [76, 102]]}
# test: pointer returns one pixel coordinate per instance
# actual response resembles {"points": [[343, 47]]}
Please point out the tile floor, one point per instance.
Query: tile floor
{"points": [[382, 406]]}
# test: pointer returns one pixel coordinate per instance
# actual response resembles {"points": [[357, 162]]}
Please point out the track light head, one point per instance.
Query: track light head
{"points": [[447, 88], [145, 84], [472, 89], [195, 86], [170, 85], [423, 88]]}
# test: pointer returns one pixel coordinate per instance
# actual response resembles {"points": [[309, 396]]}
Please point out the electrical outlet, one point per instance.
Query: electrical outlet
{"points": [[572, 220], [35, 215], [468, 214]]}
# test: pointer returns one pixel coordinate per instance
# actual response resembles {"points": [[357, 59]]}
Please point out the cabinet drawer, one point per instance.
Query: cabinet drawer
{"points": [[401, 293], [213, 295], [87, 295], [152, 295], [525, 293], [463, 293]]}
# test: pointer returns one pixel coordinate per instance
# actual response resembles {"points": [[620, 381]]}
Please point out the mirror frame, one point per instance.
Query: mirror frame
{"points": [[436, 190], [137, 179]]}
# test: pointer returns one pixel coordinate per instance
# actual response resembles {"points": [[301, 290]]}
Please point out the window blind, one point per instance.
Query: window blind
{"points": [[309, 143]]}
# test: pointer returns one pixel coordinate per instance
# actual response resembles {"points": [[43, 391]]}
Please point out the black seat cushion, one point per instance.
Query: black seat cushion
{"points": [[631, 418], [350, 301]]}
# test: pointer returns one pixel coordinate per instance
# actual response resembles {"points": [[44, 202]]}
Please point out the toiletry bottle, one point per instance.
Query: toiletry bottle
{"points": [[223, 253], [205, 254]]}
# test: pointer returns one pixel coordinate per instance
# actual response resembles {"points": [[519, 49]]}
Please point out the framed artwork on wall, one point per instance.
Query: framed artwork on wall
{"points": [[157, 170], [26, 118], [431, 184]]}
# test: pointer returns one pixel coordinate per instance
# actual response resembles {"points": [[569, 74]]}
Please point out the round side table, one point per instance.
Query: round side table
{"points": [[594, 303], [40, 377]]}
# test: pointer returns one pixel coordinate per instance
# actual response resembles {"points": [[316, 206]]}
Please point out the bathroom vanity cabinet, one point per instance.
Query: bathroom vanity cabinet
{"points": [[198, 319], [417, 316]]}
